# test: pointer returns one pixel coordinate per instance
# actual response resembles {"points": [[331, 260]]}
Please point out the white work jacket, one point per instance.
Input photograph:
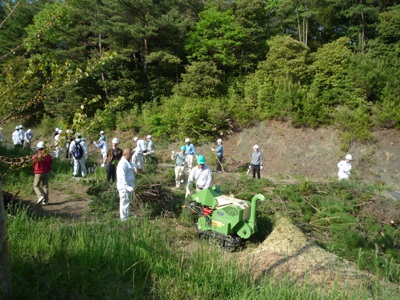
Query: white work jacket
{"points": [[203, 177], [125, 174], [15, 138], [344, 169]]}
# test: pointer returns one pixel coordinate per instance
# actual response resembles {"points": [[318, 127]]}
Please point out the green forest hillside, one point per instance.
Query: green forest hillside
{"points": [[179, 68]]}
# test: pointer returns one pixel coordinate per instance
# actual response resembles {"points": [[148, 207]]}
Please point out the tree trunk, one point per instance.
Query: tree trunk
{"points": [[5, 269]]}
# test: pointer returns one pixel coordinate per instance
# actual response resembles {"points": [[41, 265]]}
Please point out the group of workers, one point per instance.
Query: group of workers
{"points": [[122, 165], [22, 138]]}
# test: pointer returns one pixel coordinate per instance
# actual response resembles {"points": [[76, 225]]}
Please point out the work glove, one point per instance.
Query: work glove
{"points": [[262, 167], [129, 189]]}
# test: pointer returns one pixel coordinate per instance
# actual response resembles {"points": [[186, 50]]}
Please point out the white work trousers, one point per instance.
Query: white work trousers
{"points": [[189, 160], [124, 204], [79, 164], [178, 175]]}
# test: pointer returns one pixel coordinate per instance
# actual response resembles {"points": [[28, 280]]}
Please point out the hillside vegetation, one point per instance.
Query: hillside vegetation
{"points": [[200, 68]]}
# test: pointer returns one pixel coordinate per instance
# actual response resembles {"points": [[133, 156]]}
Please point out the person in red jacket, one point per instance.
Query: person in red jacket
{"points": [[41, 168]]}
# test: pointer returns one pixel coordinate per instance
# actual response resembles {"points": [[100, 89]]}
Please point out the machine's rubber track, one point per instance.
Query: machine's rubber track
{"points": [[226, 242]]}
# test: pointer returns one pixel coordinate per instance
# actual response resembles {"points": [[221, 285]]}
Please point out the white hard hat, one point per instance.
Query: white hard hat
{"points": [[68, 131], [40, 145], [349, 157], [219, 141], [29, 130], [59, 131], [78, 135], [187, 140], [149, 136], [255, 147], [102, 132], [135, 138], [17, 127], [20, 126], [115, 141]]}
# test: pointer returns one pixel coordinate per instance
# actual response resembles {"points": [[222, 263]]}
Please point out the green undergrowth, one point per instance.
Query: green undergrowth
{"points": [[135, 259], [350, 219]]}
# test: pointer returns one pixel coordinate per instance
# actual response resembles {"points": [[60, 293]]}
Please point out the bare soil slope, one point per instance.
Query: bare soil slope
{"points": [[313, 154]]}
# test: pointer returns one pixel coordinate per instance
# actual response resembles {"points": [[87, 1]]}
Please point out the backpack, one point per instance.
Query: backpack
{"points": [[78, 152]]}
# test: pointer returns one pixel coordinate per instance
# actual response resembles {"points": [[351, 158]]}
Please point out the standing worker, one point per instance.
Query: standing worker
{"points": [[201, 174], [15, 138], [102, 145], [137, 159], [151, 147], [179, 165], [256, 162], [28, 138], [21, 133], [220, 155], [57, 143], [79, 153], [345, 167], [114, 155], [141, 144], [68, 140], [190, 152], [41, 168], [125, 183]]}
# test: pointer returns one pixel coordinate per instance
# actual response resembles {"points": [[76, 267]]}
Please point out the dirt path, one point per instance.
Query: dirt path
{"points": [[65, 202]]}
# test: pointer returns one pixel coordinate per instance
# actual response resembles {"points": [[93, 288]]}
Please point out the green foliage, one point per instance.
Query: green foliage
{"points": [[105, 198], [388, 27], [202, 79], [355, 124], [216, 37], [331, 80]]}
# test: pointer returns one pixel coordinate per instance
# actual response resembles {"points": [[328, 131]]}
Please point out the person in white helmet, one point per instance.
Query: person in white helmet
{"points": [[256, 163], [190, 152], [21, 133], [180, 159], [151, 146], [28, 138], [102, 145], [57, 143], [220, 155], [114, 155], [80, 154], [125, 183], [41, 169], [15, 138], [69, 137], [102, 136], [345, 167], [141, 144], [137, 159]]}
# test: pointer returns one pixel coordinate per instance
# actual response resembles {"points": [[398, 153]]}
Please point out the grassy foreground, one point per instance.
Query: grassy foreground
{"points": [[137, 259]]}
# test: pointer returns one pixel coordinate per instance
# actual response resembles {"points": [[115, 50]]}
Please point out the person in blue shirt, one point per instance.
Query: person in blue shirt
{"points": [[179, 165], [220, 155], [190, 152]]}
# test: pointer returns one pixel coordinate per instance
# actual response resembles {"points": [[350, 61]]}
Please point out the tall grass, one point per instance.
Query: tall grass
{"points": [[136, 259]]}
